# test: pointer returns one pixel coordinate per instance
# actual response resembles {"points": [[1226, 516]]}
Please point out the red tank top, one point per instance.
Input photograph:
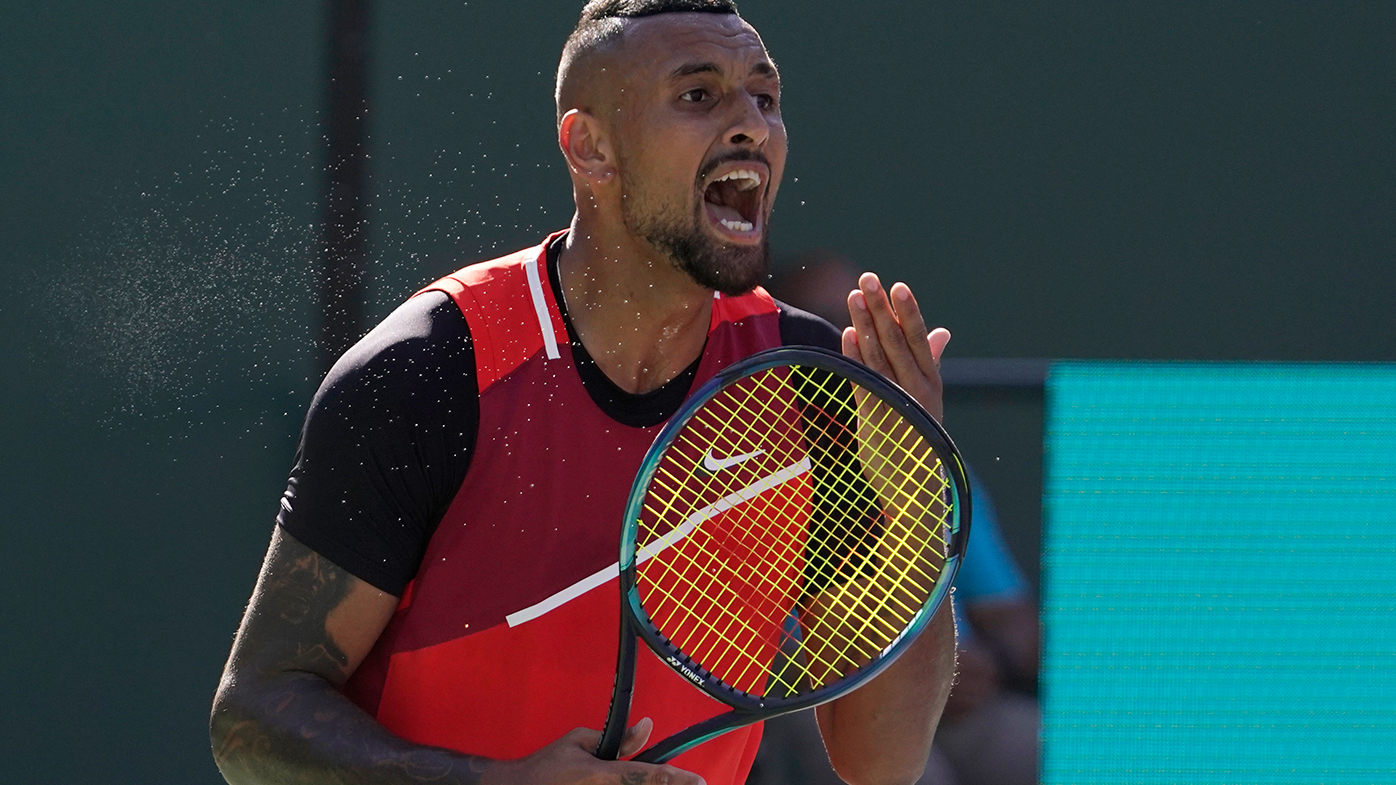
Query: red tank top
{"points": [[506, 639]]}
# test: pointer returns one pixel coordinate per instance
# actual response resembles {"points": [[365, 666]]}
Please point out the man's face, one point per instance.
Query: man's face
{"points": [[701, 144]]}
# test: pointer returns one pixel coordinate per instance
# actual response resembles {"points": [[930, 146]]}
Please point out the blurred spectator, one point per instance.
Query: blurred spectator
{"points": [[818, 282], [989, 732]]}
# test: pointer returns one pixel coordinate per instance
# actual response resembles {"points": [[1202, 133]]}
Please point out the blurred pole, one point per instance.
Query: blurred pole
{"points": [[344, 241]]}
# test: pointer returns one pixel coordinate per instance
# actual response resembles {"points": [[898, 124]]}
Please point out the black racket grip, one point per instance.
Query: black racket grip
{"points": [[614, 731]]}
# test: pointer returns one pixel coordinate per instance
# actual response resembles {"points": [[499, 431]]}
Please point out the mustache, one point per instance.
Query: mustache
{"points": [[735, 155]]}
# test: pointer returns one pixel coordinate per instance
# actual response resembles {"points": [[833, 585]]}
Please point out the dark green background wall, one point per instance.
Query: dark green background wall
{"points": [[1161, 180]]}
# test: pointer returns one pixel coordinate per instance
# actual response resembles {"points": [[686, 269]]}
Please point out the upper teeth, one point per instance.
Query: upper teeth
{"points": [[748, 178]]}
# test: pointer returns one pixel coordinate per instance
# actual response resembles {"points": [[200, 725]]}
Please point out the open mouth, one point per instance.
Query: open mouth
{"points": [[732, 200]]}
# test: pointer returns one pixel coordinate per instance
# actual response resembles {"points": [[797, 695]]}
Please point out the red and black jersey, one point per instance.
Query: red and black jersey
{"points": [[508, 512]]}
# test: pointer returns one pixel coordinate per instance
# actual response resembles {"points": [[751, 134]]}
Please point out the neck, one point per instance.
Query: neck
{"points": [[641, 320]]}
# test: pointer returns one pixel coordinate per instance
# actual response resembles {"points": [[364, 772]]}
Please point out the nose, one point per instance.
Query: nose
{"points": [[749, 126]]}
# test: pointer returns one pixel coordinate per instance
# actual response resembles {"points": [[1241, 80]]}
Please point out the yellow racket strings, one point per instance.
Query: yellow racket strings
{"points": [[723, 591], [874, 612], [683, 491], [727, 631], [908, 611]]}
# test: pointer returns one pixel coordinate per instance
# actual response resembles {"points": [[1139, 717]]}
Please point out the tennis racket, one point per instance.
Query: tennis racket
{"points": [[791, 530]]}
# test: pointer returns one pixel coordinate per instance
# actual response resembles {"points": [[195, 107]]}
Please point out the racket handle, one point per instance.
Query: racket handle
{"points": [[614, 731], [668, 749]]}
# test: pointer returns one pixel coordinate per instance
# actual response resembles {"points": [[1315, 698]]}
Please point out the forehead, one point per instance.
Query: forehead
{"points": [[655, 45]]}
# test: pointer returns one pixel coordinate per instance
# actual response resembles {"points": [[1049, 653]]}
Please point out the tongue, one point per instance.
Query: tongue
{"points": [[720, 212]]}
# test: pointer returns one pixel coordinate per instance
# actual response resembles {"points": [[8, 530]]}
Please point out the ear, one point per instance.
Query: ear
{"points": [[586, 147]]}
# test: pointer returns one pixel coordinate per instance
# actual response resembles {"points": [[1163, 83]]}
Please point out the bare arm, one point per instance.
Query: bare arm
{"points": [[881, 733], [279, 716]]}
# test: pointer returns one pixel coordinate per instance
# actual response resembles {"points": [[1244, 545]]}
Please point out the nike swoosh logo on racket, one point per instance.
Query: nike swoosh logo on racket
{"points": [[714, 465]]}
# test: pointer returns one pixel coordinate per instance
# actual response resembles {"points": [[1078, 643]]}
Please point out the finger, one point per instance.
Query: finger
{"points": [[661, 774], [936, 342], [868, 345], [850, 344], [913, 327], [635, 737], [889, 333]]}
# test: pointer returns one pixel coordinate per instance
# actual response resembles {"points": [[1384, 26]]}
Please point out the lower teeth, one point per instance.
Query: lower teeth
{"points": [[736, 226]]}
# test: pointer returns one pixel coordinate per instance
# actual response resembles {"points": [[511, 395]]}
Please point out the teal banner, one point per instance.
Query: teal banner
{"points": [[1219, 573]]}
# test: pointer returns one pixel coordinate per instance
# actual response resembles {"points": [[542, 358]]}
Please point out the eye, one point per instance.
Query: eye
{"points": [[696, 96], [765, 101]]}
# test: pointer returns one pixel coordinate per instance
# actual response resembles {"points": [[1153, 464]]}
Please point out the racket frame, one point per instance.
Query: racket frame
{"points": [[635, 622]]}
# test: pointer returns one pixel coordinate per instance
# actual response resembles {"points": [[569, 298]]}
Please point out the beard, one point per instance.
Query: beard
{"points": [[678, 233]]}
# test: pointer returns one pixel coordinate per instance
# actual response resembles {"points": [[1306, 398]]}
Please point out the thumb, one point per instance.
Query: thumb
{"points": [[635, 737], [938, 338]]}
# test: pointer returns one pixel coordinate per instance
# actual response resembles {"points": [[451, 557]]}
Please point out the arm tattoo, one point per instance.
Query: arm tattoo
{"points": [[299, 600], [279, 715]]}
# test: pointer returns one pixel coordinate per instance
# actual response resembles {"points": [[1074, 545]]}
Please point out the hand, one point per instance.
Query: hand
{"points": [[569, 761], [903, 473], [890, 337]]}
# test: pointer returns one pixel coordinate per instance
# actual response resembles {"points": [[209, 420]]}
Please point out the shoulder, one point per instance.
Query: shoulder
{"points": [[386, 442], [802, 328], [510, 308], [423, 345]]}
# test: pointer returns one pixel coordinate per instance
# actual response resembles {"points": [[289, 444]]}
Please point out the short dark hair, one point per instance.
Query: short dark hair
{"points": [[601, 23], [628, 9]]}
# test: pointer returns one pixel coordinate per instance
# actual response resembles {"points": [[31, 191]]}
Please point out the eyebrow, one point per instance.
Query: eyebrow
{"points": [[765, 69], [689, 69]]}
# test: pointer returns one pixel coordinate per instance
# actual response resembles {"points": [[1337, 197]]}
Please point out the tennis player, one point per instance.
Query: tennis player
{"points": [[421, 615]]}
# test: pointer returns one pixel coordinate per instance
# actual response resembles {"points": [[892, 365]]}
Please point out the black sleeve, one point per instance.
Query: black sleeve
{"points": [[847, 518], [802, 328], [386, 444]]}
